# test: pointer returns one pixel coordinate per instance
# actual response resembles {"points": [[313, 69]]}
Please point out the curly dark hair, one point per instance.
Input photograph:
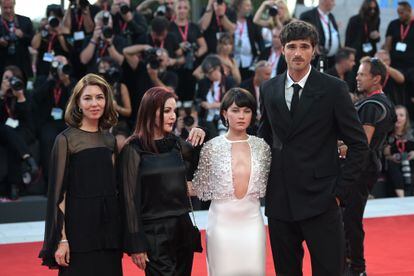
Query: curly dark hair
{"points": [[299, 30]]}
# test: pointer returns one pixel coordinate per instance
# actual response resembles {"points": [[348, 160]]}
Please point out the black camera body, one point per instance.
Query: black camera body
{"points": [[163, 10], [189, 54], [16, 84], [124, 8], [82, 4], [273, 10], [107, 32], [57, 67], [112, 75], [152, 57], [219, 2], [105, 18]]}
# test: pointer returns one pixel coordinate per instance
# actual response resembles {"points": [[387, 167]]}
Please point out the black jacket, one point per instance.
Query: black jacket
{"points": [[281, 64], [304, 178]]}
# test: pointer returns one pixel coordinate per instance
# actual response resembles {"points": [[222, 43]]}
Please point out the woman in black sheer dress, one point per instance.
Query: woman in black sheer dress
{"points": [[82, 233], [153, 168]]}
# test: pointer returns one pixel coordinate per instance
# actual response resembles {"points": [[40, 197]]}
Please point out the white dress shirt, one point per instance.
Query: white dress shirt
{"points": [[289, 88]]}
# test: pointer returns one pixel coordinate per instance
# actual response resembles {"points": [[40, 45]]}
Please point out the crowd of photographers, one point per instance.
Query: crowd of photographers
{"points": [[157, 44]]}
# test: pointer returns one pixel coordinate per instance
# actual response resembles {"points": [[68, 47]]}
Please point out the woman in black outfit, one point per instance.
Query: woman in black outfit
{"points": [[153, 166], [362, 32], [83, 234]]}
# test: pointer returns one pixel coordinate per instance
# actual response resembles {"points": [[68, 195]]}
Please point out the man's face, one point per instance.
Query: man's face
{"points": [[160, 37], [118, 2], [7, 8], [404, 14], [327, 4], [276, 39], [246, 7], [365, 80], [349, 63], [264, 73], [298, 54]]}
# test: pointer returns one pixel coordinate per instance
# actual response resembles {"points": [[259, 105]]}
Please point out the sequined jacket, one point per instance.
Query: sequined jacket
{"points": [[213, 178]]}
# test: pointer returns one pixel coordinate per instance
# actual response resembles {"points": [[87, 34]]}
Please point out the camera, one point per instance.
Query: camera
{"points": [[16, 83], [405, 168], [124, 8], [163, 10], [105, 18], [107, 32], [273, 10], [189, 50], [53, 21], [57, 67], [152, 57], [11, 38], [82, 4], [219, 2], [112, 75]]}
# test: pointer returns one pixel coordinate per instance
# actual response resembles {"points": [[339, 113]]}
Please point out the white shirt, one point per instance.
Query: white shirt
{"points": [[213, 95], [242, 52], [289, 88], [324, 18], [274, 61]]}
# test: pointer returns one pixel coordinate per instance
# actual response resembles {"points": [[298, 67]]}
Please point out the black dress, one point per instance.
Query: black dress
{"points": [[155, 204], [82, 173]]}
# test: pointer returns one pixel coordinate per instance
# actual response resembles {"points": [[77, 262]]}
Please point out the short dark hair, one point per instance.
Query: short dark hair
{"points": [[210, 62], [405, 4], [344, 53], [160, 24], [299, 30], [242, 98], [377, 67]]}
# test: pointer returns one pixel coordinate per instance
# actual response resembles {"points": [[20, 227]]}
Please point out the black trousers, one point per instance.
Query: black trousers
{"points": [[170, 253], [353, 215], [324, 237]]}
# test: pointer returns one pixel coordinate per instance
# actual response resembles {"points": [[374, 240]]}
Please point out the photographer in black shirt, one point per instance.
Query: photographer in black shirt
{"points": [[16, 32], [16, 129]]}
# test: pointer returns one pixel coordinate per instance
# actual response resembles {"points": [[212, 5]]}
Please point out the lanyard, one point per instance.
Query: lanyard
{"points": [[273, 58], [400, 145], [8, 110], [404, 33], [327, 23], [386, 79], [51, 42], [103, 49], [6, 25], [184, 35], [123, 26], [57, 93], [241, 29], [79, 21], [161, 43], [322, 17], [376, 92], [219, 23]]}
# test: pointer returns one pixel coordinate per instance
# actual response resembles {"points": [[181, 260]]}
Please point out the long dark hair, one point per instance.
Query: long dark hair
{"points": [[154, 99], [364, 13]]}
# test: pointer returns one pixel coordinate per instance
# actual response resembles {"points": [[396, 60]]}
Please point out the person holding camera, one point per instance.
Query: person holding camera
{"points": [[51, 98], [103, 42], [16, 33], [399, 154], [193, 45], [126, 22], [16, 128], [164, 8], [146, 67], [49, 42], [209, 94], [216, 20], [111, 72], [277, 14]]}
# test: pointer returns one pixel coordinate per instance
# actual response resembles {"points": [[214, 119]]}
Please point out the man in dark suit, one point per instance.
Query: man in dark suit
{"points": [[325, 23], [273, 54], [304, 113]]}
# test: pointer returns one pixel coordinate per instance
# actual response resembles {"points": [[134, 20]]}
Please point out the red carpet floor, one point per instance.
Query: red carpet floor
{"points": [[389, 252]]}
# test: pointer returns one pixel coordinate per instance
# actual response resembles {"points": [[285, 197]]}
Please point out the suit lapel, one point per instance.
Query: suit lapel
{"points": [[279, 91]]}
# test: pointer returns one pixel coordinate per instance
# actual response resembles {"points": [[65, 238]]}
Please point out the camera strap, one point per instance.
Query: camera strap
{"points": [[51, 42], [57, 93], [8, 110], [161, 42], [184, 35], [79, 21], [103, 49], [220, 26], [123, 26]]}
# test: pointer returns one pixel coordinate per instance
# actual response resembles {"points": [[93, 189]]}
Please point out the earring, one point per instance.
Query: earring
{"points": [[80, 110], [226, 124]]}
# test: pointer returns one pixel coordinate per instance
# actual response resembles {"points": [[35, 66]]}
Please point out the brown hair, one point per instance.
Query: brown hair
{"points": [[154, 99], [73, 116], [377, 67], [16, 71]]}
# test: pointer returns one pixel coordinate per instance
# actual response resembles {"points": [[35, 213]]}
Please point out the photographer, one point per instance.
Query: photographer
{"points": [[210, 91], [102, 43], [193, 45], [111, 72], [16, 128], [51, 98], [164, 8], [78, 22], [146, 67], [276, 16], [216, 20], [49, 42], [16, 33], [127, 23]]}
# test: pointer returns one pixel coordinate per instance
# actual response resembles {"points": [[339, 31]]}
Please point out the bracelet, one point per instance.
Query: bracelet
{"points": [[63, 241], [92, 42]]}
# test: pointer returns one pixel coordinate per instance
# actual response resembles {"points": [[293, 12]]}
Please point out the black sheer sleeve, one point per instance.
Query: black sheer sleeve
{"points": [[57, 188], [134, 240], [190, 155]]}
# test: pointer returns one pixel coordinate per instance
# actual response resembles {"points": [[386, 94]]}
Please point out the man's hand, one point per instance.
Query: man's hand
{"points": [[374, 35], [96, 33]]}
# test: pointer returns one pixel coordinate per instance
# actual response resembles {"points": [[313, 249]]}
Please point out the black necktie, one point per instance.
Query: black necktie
{"points": [[295, 98]]}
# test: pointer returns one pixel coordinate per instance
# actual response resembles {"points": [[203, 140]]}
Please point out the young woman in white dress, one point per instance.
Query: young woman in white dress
{"points": [[232, 173]]}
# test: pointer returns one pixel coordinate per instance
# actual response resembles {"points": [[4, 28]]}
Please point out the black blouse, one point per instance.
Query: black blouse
{"points": [[83, 173], [153, 186]]}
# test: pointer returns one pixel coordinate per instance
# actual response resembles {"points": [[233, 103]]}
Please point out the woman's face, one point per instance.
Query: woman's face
{"points": [[281, 10], [239, 118], [92, 102], [401, 117], [226, 47], [182, 9], [5, 84], [169, 116], [214, 74]]}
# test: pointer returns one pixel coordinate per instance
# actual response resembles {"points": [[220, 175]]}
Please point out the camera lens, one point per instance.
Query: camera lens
{"points": [[124, 8], [107, 32], [53, 21], [273, 11], [16, 83], [105, 18]]}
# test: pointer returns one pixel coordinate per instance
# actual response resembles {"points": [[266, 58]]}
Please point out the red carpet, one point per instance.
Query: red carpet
{"points": [[389, 251]]}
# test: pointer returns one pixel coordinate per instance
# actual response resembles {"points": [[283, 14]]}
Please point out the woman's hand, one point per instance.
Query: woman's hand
{"points": [[140, 259], [196, 136], [62, 255]]}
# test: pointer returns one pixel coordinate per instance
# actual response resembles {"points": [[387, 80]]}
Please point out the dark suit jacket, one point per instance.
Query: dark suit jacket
{"points": [[249, 86], [304, 178], [312, 17], [281, 64]]}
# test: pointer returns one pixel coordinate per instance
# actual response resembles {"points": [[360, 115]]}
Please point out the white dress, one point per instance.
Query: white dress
{"points": [[236, 239]]}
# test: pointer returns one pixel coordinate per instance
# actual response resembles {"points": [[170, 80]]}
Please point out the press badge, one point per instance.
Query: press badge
{"points": [[12, 123], [48, 57], [57, 113], [79, 35], [367, 47], [401, 47]]}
